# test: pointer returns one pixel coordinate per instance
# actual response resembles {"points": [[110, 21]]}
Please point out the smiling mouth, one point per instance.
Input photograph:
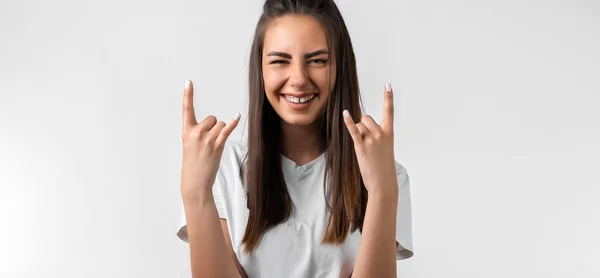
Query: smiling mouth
{"points": [[299, 103], [300, 100]]}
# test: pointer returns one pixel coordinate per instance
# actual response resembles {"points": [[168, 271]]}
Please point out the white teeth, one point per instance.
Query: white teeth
{"points": [[300, 100]]}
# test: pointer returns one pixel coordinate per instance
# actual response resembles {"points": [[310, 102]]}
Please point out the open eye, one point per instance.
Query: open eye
{"points": [[319, 61]]}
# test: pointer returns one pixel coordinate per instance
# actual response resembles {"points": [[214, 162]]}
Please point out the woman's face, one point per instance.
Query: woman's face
{"points": [[296, 68]]}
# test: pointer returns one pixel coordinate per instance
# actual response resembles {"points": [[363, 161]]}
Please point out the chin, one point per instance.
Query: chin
{"points": [[299, 119]]}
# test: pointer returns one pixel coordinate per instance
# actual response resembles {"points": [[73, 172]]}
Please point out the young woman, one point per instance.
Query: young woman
{"points": [[312, 193]]}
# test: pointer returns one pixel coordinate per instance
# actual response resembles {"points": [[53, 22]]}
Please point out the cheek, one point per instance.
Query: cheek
{"points": [[323, 80], [273, 81]]}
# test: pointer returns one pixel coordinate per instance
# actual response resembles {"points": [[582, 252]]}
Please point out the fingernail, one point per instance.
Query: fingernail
{"points": [[346, 114], [187, 84], [388, 87], [237, 116]]}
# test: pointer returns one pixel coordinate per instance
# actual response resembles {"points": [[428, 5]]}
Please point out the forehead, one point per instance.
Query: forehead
{"points": [[295, 33]]}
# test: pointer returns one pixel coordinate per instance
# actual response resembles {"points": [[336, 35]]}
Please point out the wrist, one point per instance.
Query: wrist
{"points": [[197, 197]]}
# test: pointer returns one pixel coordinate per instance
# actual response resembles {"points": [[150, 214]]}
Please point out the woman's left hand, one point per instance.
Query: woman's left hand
{"points": [[374, 147]]}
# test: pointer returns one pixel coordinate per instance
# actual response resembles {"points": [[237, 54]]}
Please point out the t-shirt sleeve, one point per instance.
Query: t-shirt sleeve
{"points": [[404, 249]]}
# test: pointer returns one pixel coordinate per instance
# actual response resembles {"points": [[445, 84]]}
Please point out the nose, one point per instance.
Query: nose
{"points": [[299, 76]]}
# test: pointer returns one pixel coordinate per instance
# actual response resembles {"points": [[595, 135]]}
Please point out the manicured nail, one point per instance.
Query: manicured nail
{"points": [[388, 87], [346, 114], [237, 116], [187, 84]]}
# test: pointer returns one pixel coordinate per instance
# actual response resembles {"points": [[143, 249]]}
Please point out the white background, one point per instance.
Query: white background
{"points": [[497, 121]]}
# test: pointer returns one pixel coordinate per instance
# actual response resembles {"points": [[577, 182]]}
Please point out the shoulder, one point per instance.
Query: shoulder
{"points": [[234, 152], [232, 164], [229, 192]]}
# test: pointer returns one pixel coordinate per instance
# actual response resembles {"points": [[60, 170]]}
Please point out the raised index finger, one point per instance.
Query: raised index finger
{"points": [[387, 121], [189, 115]]}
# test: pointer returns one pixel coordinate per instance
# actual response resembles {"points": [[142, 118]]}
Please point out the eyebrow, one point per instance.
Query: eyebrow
{"points": [[306, 56]]}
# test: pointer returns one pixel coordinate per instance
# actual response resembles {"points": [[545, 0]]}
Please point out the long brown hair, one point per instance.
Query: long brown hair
{"points": [[268, 201]]}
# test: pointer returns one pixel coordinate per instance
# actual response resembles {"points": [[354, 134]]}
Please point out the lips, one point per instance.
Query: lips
{"points": [[300, 95], [300, 99], [291, 101]]}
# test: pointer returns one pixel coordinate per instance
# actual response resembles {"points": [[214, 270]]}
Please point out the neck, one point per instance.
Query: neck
{"points": [[301, 143]]}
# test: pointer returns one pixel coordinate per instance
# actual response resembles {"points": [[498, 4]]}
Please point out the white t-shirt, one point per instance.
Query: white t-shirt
{"points": [[293, 248]]}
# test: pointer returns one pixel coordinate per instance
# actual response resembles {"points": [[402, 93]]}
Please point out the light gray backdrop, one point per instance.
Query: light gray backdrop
{"points": [[497, 121]]}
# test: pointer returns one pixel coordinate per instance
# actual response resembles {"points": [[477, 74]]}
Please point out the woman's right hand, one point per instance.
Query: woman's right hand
{"points": [[202, 149]]}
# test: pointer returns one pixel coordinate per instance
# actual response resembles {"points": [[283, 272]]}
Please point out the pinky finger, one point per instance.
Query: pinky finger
{"points": [[228, 129], [354, 132]]}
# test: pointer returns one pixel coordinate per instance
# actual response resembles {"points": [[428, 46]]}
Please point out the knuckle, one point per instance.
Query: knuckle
{"points": [[358, 148], [195, 133], [189, 136], [185, 135]]}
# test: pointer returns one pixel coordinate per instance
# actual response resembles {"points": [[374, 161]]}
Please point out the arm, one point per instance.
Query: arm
{"points": [[203, 145], [208, 250], [377, 250], [225, 229], [374, 147]]}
